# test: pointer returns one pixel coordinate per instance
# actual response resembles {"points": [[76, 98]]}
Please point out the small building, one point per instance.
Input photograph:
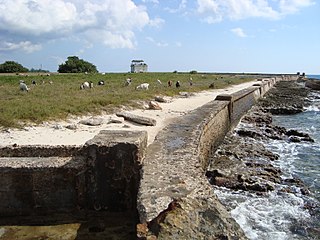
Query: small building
{"points": [[138, 66]]}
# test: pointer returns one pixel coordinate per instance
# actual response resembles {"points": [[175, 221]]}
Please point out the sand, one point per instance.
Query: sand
{"points": [[56, 133]]}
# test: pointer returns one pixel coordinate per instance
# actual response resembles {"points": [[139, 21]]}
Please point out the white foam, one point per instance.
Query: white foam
{"points": [[312, 108], [267, 217]]}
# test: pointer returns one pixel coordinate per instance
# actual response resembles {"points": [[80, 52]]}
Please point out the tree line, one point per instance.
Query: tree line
{"points": [[73, 64]]}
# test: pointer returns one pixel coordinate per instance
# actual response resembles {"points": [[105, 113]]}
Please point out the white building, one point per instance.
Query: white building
{"points": [[138, 66]]}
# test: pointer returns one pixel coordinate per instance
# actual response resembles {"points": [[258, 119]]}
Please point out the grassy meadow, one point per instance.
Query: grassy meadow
{"points": [[63, 98]]}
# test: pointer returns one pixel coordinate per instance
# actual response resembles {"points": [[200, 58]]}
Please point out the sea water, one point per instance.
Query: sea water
{"points": [[314, 76], [281, 215]]}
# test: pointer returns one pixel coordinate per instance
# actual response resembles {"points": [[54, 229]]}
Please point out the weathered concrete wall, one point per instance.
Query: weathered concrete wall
{"points": [[114, 164], [40, 185], [103, 175], [175, 200]]}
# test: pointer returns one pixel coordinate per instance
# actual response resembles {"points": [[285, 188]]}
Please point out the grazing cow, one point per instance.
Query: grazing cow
{"points": [[84, 85], [144, 86], [178, 84], [23, 86], [169, 83], [101, 82], [91, 84]]}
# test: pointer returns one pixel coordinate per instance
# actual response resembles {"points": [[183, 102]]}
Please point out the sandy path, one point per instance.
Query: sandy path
{"points": [[56, 133]]}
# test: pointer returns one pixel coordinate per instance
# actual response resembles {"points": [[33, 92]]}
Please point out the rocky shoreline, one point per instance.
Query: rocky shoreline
{"points": [[243, 163]]}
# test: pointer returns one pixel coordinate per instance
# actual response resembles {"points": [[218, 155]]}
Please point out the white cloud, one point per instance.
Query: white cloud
{"points": [[156, 22], [157, 43], [115, 20], [25, 46], [182, 6], [151, 1], [214, 11], [293, 6], [239, 32]]}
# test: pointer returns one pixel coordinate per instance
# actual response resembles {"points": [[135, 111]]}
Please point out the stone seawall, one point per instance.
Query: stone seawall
{"points": [[175, 200], [116, 172]]}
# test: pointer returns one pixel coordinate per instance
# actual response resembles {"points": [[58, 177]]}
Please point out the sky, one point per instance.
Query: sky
{"points": [[251, 36]]}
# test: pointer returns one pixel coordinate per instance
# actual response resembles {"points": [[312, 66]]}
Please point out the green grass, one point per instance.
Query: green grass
{"points": [[64, 98]]}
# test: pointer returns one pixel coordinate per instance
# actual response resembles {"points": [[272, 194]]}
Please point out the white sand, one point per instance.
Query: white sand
{"points": [[56, 133]]}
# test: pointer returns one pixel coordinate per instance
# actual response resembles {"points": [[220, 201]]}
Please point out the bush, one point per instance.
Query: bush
{"points": [[76, 65], [12, 67]]}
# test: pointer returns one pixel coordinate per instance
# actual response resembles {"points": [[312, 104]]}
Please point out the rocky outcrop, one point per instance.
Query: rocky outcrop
{"points": [[193, 219], [288, 97], [313, 84], [241, 161]]}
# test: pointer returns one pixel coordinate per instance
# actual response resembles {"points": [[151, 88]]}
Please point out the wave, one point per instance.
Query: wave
{"points": [[275, 216], [313, 108]]}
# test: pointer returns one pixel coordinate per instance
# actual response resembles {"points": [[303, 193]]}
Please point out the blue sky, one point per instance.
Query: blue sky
{"points": [[266, 36]]}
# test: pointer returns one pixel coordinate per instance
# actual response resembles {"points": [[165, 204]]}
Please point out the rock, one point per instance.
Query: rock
{"points": [[58, 127], [195, 219], [154, 105], [142, 230], [296, 136], [161, 99], [313, 84], [117, 120], [93, 121], [248, 133], [279, 99], [185, 94], [137, 119], [72, 127], [294, 139]]}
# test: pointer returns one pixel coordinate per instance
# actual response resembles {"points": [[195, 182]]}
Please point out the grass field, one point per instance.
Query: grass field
{"points": [[63, 98]]}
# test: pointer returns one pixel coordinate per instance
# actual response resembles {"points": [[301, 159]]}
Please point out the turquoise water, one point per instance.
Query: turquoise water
{"points": [[280, 215]]}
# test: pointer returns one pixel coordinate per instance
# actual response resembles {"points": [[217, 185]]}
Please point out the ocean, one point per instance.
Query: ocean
{"points": [[314, 76], [280, 215]]}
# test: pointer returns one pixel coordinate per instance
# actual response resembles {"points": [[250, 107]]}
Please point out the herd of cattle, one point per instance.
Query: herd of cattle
{"points": [[89, 84]]}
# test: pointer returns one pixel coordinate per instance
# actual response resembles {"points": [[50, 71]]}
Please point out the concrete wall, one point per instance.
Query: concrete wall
{"points": [[174, 170], [103, 174], [45, 185]]}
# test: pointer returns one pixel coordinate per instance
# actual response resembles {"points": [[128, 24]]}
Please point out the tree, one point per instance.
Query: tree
{"points": [[12, 67], [39, 70], [76, 65]]}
